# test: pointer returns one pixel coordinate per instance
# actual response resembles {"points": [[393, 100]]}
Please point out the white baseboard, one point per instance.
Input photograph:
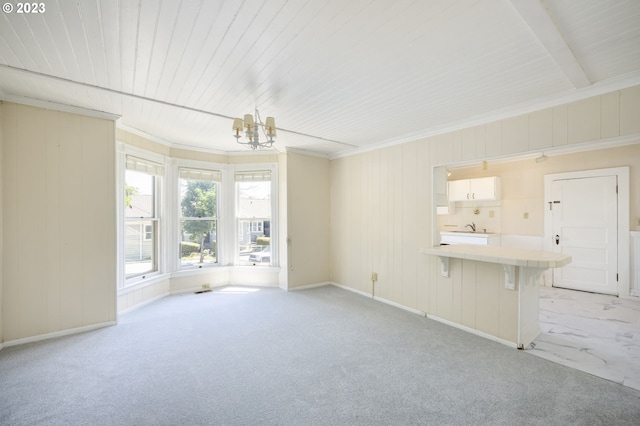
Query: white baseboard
{"points": [[380, 299], [472, 331], [353, 290], [308, 286], [60, 333], [141, 304], [398, 305], [191, 290]]}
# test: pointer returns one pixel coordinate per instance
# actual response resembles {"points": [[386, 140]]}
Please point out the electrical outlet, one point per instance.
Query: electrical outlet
{"points": [[526, 215], [491, 213], [206, 286], [374, 276]]}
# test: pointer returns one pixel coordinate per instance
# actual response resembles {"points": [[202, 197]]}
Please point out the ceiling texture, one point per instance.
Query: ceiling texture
{"points": [[338, 76]]}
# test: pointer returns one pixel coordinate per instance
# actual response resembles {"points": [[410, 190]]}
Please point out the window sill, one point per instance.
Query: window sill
{"points": [[256, 268], [185, 272], [223, 268]]}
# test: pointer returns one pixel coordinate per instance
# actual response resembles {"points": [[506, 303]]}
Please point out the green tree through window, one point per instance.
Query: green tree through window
{"points": [[199, 202]]}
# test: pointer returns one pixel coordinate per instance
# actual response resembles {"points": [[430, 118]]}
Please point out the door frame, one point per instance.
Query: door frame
{"points": [[622, 174]]}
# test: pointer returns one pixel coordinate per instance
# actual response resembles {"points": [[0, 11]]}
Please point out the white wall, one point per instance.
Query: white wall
{"points": [[1, 229], [380, 217], [307, 218], [58, 211], [381, 211]]}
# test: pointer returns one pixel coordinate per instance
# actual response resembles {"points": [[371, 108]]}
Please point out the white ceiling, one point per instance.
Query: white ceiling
{"points": [[337, 75]]}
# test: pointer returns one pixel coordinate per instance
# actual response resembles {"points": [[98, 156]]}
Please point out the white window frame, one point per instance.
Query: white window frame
{"points": [[124, 150], [220, 194], [148, 235], [168, 204], [273, 226]]}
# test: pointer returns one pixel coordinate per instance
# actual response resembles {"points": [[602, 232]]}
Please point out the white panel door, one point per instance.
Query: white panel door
{"points": [[585, 226]]}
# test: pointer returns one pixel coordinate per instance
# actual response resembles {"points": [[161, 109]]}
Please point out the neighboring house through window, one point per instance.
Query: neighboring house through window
{"points": [[253, 216], [142, 186]]}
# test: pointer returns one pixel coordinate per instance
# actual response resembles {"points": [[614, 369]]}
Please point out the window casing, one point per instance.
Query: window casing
{"points": [[253, 217], [199, 206], [143, 180]]}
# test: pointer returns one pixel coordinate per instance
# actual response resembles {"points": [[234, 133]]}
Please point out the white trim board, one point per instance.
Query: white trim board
{"points": [[59, 107], [429, 316], [141, 304], [307, 286], [380, 299], [472, 331], [56, 334], [567, 97]]}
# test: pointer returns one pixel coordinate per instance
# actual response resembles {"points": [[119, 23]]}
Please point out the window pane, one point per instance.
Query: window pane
{"points": [[139, 194], [254, 200], [199, 209], [141, 225], [254, 245], [198, 198], [254, 222], [140, 247], [199, 242]]}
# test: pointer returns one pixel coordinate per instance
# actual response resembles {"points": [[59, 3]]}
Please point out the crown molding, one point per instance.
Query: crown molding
{"points": [[306, 152], [55, 106], [593, 145], [567, 97]]}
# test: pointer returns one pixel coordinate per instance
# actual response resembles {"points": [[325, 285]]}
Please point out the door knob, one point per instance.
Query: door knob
{"points": [[557, 239]]}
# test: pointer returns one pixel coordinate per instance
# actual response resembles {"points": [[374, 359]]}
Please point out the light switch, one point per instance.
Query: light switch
{"points": [[526, 215]]}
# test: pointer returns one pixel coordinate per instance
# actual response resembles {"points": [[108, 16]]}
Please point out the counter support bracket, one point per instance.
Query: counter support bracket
{"points": [[444, 266], [509, 277]]}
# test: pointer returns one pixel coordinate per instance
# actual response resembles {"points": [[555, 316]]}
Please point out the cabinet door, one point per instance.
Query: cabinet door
{"points": [[483, 188], [458, 190]]}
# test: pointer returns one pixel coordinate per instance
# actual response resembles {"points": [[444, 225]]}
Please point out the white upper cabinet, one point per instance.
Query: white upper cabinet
{"points": [[459, 190], [481, 189]]}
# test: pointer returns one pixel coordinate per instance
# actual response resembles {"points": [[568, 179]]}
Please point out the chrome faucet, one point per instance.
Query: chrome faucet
{"points": [[472, 226]]}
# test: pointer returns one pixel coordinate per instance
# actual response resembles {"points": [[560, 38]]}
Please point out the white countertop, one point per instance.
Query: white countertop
{"points": [[501, 255]]}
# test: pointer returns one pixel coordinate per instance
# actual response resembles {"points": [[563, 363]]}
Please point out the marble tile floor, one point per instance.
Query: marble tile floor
{"points": [[595, 333]]}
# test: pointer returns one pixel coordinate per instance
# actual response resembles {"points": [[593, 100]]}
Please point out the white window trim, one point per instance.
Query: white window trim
{"points": [[169, 214], [123, 283], [176, 210], [274, 226]]}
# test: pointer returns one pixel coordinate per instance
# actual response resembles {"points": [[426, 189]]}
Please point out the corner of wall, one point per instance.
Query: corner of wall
{"points": [[1, 228], [282, 222], [307, 209]]}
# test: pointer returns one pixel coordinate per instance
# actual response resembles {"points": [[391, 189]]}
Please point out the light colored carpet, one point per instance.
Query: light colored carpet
{"points": [[317, 357]]}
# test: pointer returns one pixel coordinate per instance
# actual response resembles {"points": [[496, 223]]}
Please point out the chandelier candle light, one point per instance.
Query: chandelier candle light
{"points": [[250, 126]]}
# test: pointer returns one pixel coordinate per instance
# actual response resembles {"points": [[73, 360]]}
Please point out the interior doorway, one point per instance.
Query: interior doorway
{"points": [[584, 218]]}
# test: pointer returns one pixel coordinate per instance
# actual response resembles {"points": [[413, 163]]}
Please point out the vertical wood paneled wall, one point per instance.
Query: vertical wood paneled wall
{"points": [[1, 229], [59, 255], [381, 200]]}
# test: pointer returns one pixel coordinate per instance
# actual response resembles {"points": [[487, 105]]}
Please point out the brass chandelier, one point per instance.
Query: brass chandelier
{"points": [[250, 127]]}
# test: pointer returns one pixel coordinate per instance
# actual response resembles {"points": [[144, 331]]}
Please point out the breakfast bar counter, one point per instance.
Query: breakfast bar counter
{"points": [[490, 290]]}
